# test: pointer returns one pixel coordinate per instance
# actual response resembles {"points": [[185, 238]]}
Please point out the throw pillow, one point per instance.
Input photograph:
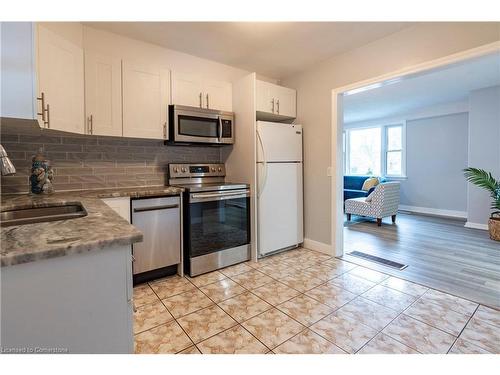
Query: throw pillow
{"points": [[369, 183]]}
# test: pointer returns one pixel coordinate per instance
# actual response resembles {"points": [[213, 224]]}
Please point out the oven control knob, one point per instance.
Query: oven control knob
{"points": [[183, 170], [220, 169], [213, 169], [176, 170]]}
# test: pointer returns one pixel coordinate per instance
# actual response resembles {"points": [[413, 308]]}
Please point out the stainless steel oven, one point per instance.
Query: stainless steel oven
{"points": [[199, 125], [216, 217]]}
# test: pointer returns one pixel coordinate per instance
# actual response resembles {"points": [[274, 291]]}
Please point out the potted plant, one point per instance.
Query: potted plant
{"points": [[485, 180]]}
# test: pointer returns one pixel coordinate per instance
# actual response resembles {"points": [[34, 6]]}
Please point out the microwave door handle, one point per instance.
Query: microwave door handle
{"points": [[220, 129]]}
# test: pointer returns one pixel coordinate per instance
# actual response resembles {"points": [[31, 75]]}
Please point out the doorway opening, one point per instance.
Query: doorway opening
{"points": [[400, 143]]}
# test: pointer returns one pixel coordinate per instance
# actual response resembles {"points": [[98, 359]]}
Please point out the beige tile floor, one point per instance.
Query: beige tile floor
{"points": [[302, 301]]}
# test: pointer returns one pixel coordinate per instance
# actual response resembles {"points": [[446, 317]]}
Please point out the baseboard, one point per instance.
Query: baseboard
{"points": [[318, 246], [476, 225], [434, 211]]}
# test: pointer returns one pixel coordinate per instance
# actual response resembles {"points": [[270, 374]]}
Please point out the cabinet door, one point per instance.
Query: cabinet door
{"points": [[264, 97], [218, 95], [60, 78], [187, 89], [286, 101], [146, 97], [103, 94], [17, 70]]}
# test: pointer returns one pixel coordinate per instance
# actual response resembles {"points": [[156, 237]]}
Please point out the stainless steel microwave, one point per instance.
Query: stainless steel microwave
{"points": [[199, 125]]}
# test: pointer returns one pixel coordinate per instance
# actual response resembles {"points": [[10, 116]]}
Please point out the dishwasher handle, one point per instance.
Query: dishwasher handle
{"points": [[156, 208]]}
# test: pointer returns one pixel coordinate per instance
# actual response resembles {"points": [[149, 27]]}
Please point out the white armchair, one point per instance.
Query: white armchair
{"points": [[382, 202]]}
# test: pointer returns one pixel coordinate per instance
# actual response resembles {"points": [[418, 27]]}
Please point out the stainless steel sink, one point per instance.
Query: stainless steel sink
{"points": [[32, 215]]}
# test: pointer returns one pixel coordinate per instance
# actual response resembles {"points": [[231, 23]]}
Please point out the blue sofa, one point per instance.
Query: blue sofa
{"points": [[353, 185]]}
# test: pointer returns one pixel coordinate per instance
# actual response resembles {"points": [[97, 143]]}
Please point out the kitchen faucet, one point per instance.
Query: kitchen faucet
{"points": [[7, 166]]}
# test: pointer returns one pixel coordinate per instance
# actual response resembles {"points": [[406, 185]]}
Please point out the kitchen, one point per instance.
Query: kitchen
{"points": [[146, 153], [173, 188]]}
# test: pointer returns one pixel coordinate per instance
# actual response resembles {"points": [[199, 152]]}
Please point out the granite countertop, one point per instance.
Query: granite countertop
{"points": [[100, 229]]}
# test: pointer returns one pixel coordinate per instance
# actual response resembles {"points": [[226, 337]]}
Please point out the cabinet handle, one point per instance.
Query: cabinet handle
{"points": [[48, 117], [42, 99], [207, 102], [272, 108], [91, 124], [201, 95], [278, 106], [165, 130]]}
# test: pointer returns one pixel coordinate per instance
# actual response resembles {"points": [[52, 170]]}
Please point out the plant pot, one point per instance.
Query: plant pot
{"points": [[494, 228]]}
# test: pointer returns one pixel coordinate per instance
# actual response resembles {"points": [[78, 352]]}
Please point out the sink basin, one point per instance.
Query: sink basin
{"points": [[41, 214]]}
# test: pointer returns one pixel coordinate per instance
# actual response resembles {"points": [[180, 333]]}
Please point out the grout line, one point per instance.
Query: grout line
{"points": [[462, 330]]}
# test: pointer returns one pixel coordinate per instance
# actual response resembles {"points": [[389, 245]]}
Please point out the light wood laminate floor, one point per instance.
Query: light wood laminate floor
{"points": [[440, 254]]}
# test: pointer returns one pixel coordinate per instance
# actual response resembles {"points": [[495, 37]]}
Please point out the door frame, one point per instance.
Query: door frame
{"points": [[337, 125]]}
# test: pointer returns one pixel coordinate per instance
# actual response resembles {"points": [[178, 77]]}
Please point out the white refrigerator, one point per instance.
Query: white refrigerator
{"points": [[279, 186]]}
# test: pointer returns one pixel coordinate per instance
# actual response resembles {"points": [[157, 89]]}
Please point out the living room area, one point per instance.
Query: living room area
{"points": [[421, 163]]}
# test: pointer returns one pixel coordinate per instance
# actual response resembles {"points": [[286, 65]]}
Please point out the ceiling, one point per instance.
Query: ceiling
{"points": [[273, 49], [446, 85]]}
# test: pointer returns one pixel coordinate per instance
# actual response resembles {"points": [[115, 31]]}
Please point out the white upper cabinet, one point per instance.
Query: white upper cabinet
{"points": [[195, 91], [146, 97], [265, 100], [276, 100], [18, 83], [187, 89], [60, 82], [103, 94], [286, 101], [218, 95]]}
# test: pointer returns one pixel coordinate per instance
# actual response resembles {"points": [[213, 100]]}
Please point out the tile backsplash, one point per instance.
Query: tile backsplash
{"points": [[95, 162]]}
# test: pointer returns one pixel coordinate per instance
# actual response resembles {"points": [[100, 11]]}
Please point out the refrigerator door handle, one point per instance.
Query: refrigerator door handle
{"points": [[264, 164]]}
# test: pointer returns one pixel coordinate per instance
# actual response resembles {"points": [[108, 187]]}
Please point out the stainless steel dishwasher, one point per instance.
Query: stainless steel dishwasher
{"points": [[159, 219]]}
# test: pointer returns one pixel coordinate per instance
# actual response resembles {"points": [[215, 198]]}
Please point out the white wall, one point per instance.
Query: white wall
{"points": [[419, 43], [484, 149], [436, 154]]}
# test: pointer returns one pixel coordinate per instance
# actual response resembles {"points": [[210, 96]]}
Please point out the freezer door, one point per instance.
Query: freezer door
{"points": [[280, 215], [278, 142]]}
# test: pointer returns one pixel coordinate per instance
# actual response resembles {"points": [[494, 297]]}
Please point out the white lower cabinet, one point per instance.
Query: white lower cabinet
{"points": [[146, 96], [80, 303]]}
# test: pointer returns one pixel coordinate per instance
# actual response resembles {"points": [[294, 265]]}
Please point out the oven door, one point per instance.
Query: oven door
{"points": [[217, 221]]}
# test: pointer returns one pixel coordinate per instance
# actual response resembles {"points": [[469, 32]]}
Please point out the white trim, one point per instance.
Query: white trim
{"points": [[434, 211], [337, 185], [317, 246], [476, 226]]}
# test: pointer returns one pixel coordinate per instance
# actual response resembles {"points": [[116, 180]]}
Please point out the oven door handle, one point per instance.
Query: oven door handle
{"points": [[218, 196]]}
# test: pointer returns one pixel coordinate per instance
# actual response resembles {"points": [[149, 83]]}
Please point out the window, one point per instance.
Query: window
{"points": [[394, 151], [377, 151]]}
